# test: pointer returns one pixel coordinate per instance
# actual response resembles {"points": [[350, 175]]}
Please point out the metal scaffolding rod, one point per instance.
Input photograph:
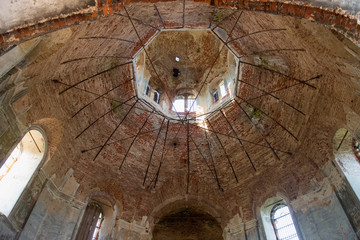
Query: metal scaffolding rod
{"points": [[266, 114], [212, 65], [122, 120], [277, 72], [139, 21], [261, 31], [188, 157], [152, 151], [162, 154], [213, 163], [120, 140], [91, 124], [112, 38], [228, 16], [287, 87], [92, 76], [241, 144], [227, 156], [202, 155], [94, 57], [137, 134], [244, 140], [158, 12], [100, 96], [272, 95], [258, 130]]}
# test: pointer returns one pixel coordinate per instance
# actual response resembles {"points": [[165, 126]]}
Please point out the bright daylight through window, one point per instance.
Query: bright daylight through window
{"points": [[283, 224]]}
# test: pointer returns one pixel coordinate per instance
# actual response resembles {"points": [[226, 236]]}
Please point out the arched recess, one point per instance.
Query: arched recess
{"points": [[269, 216], [105, 210], [343, 147], [19, 168], [187, 218]]}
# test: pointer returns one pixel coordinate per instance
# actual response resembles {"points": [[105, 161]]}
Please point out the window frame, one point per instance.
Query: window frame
{"points": [[275, 208]]}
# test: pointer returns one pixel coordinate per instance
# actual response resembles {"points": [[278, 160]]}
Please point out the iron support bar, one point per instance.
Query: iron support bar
{"points": [[266, 114], [241, 144], [162, 22], [228, 16], [258, 130], [94, 57], [272, 95], [92, 76], [86, 105], [34, 142], [103, 116], [137, 134], [202, 155], [261, 31], [112, 38], [274, 50], [152, 152], [188, 157], [162, 154], [342, 140], [227, 156], [122, 120], [183, 16], [277, 72], [212, 160], [139, 21]]}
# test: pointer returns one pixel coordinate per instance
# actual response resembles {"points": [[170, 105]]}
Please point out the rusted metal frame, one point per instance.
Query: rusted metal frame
{"points": [[158, 12], [112, 38], [112, 99], [241, 144], [209, 114], [258, 130], [122, 120], [120, 140], [188, 157], [183, 16], [284, 88], [91, 124], [266, 114], [148, 56], [228, 16], [86, 105], [261, 31], [34, 142], [277, 72], [272, 95], [213, 64], [213, 162], [342, 140], [137, 134], [92, 76], [244, 140], [139, 21], [227, 156], [274, 50], [162, 154], [92, 57], [152, 151]]}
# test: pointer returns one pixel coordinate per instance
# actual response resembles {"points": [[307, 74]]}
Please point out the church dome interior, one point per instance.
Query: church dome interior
{"points": [[173, 120]]}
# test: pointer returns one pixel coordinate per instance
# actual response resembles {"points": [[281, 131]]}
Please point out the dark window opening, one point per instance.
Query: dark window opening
{"points": [[156, 96], [215, 95], [148, 90], [176, 72], [89, 228], [356, 148]]}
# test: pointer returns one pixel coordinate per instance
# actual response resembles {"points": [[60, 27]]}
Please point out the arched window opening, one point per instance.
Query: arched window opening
{"points": [[91, 223], [347, 153], [184, 104], [19, 167], [283, 224]]}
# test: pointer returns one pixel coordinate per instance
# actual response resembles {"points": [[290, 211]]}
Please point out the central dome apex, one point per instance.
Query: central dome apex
{"points": [[185, 72]]}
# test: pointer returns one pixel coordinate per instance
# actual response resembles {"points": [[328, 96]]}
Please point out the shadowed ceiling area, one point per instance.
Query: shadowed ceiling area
{"points": [[187, 223]]}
